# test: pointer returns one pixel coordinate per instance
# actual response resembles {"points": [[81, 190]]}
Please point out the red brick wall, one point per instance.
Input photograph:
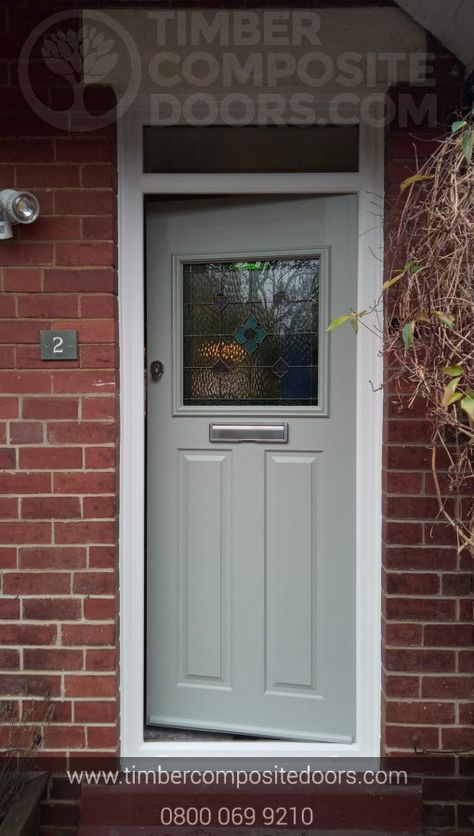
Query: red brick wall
{"points": [[58, 432], [428, 635]]}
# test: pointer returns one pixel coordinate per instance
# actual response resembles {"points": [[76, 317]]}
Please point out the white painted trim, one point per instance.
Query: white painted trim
{"points": [[133, 185]]}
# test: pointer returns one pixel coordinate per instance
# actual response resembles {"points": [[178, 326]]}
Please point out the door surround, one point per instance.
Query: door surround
{"points": [[367, 183]]}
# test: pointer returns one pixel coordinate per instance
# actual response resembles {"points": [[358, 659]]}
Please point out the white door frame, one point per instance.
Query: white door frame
{"points": [[368, 183]]}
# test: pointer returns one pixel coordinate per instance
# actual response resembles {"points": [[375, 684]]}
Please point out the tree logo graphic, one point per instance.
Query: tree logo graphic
{"points": [[82, 55]]}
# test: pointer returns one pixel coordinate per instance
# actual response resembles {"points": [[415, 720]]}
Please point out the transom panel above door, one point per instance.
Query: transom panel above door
{"points": [[251, 546]]}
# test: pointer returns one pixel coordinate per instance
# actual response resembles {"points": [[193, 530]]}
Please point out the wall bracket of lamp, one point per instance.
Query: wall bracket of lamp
{"points": [[16, 208]]}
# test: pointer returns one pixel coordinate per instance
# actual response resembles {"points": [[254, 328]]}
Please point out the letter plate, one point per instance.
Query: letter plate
{"points": [[258, 433]]}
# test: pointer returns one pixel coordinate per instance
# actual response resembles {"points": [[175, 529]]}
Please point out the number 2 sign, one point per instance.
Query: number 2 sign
{"points": [[58, 345]]}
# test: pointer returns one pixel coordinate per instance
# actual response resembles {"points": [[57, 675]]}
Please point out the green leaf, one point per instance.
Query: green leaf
{"points": [[408, 331], [453, 371], [456, 126], [467, 144], [467, 404], [414, 268], [445, 318], [340, 320], [416, 178], [395, 279], [450, 395], [355, 324]]}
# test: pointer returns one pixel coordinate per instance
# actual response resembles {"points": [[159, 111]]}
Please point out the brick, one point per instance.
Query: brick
{"points": [[84, 202], [402, 686], [85, 532], [99, 507], [31, 685], [92, 330], [397, 533], [407, 432], [418, 661], [99, 176], [8, 407], [23, 150], [98, 228], [25, 532], [9, 608], [80, 281], [8, 508], [439, 534], [466, 714], [7, 458], [24, 483], [101, 457], [458, 584], [47, 306], [447, 687], [7, 306], [102, 557], [29, 357], [100, 609], [7, 558], [407, 458], [407, 737], [420, 713], [411, 507], [80, 433], [99, 382], [98, 305], [64, 737], [98, 408], [449, 635], [7, 357], [456, 789], [41, 458], [95, 711], [50, 407], [404, 483], [18, 634], [88, 253], [34, 711], [101, 660], [93, 583], [438, 559], [412, 583], [102, 738], [29, 252], [90, 685], [59, 659], [53, 228], [94, 481], [459, 738], [84, 150], [421, 609], [47, 176], [404, 635], [36, 583], [25, 382], [26, 433], [57, 609], [466, 661], [88, 635], [9, 659], [99, 357], [51, 507], [53, 557]]}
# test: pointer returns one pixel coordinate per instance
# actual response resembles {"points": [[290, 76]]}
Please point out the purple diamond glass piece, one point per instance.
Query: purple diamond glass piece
{"points": [[220, 302], [280, 368], [220, 367]]}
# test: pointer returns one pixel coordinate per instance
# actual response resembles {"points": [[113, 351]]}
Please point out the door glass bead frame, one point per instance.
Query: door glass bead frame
{"points": [[235, 331]]}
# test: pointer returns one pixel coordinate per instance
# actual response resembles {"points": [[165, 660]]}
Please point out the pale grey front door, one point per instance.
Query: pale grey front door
{"points": [[251, 585]]}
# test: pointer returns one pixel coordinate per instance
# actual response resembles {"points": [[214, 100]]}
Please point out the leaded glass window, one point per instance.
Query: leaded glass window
{"points": [[251, 332]]}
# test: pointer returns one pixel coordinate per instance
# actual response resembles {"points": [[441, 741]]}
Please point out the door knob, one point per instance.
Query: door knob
{"points": [[157, 370]]}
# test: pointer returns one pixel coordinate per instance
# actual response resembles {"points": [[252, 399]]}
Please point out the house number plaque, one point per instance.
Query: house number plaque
{"points": [[58, 345]]}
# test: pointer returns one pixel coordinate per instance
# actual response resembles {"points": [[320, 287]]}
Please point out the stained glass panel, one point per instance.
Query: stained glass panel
{"points": [[251, 332]]}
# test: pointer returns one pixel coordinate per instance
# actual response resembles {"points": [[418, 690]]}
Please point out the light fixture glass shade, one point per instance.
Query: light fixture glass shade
{"points": [[19, 207]]}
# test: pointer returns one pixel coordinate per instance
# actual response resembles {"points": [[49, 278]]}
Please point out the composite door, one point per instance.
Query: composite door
{"points": [[251, 543]]}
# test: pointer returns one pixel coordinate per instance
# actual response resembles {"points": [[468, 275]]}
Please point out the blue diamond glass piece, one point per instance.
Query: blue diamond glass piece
{"points": [[220, 302], [280, 368], [220, 367], [250, 334]]}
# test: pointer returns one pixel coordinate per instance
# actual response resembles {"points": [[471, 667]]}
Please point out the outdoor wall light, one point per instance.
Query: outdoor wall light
{"points": [[16, 208]]}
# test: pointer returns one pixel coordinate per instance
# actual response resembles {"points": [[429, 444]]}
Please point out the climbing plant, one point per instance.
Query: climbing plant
{"points": [[428, 302]]}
